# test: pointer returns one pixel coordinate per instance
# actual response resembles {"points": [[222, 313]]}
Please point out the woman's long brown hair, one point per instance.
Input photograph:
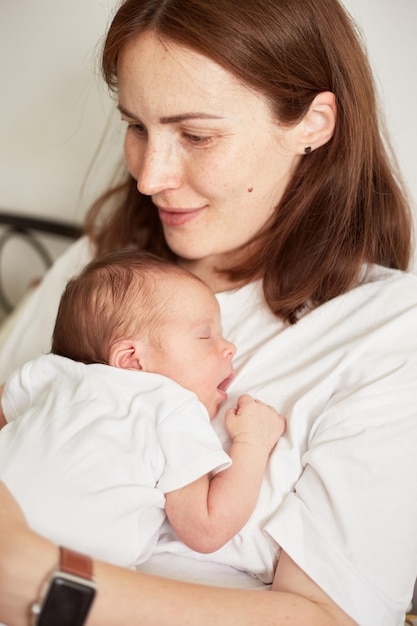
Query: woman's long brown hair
{"points": [[344, 205]]}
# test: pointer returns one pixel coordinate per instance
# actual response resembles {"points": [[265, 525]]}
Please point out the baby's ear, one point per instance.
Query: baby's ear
{"points": [[125, 354]]}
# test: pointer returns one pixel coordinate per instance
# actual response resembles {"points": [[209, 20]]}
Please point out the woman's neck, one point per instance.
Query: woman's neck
{"points": [[205, 270]]}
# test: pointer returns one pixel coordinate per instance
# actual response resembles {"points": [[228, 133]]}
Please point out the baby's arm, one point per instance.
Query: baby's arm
{"points": [[209, 512]]}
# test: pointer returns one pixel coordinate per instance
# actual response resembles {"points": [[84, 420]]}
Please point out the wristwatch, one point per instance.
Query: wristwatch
{"points": [[68, 593]]}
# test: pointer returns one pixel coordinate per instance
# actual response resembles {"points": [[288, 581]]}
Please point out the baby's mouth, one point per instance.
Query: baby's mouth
{"points": [[225, 383]]}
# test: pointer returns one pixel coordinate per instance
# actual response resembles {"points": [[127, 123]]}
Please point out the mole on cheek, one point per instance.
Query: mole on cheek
{"points": [[250, 189]]}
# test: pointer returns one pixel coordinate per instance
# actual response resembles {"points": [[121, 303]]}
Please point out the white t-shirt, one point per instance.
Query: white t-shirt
{"points": [[90, 451], [340, 492]]}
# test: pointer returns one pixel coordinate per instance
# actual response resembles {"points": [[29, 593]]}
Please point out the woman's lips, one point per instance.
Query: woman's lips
{"points": [[178, 217]]}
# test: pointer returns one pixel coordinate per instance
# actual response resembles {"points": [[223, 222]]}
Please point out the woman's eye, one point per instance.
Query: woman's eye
{"points": [[197, 140], [132, 124], [137, 128]]}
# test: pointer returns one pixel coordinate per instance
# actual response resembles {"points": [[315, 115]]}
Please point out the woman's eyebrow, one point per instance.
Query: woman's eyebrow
{"points": [[183, 117], [124, 111], [173, 119]]}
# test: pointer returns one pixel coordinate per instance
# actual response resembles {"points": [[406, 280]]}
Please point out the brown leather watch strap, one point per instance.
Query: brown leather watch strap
{"points": [[75, 563]]}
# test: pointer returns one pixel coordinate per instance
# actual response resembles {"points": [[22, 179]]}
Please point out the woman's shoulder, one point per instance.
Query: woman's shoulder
{"points": [[391, 289], [29, 330], [379, 274], [382, 298], [372, 278]]}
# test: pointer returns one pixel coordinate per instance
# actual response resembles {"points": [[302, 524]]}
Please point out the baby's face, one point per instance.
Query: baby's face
{"points": [[192, 350]]}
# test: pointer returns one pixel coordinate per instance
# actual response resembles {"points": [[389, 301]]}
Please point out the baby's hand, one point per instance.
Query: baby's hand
{"points": [[254, 422]]}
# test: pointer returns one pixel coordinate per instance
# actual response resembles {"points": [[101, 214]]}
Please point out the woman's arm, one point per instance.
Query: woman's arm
{"points": [[25, 562], [209, 512], [128, 598], [146, 600]]}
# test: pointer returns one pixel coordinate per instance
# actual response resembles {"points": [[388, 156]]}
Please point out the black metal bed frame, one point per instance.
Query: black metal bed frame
{"points": [[29, 229]]}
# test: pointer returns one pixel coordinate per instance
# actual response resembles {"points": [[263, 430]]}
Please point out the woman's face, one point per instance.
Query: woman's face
{"points": [[204, 147]]}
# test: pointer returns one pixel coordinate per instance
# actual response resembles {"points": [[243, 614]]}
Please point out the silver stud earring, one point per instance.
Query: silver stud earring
{"points": [[307, 149]]}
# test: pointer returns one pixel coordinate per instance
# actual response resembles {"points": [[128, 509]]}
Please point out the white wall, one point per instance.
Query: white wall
{"points": [[53, 107], [389, 29]]}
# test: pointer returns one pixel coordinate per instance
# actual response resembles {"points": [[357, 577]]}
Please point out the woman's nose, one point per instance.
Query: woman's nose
{"points": [[159, 170]]}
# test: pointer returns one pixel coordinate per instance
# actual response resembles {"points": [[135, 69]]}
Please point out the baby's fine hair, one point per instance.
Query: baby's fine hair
{"points": [[116, 296]]}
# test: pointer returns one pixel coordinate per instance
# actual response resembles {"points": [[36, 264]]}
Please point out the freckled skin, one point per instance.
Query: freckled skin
{"points": [[189, 123]]}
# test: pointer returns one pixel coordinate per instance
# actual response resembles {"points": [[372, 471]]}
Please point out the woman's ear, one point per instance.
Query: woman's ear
{"points": [[125, 354], [318, 124]]}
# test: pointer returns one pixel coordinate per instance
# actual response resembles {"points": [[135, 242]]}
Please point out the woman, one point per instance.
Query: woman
{"points": [[255, 160]]}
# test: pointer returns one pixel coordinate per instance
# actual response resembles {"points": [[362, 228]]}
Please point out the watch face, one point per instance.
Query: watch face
{"points": [[66, 604]]}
